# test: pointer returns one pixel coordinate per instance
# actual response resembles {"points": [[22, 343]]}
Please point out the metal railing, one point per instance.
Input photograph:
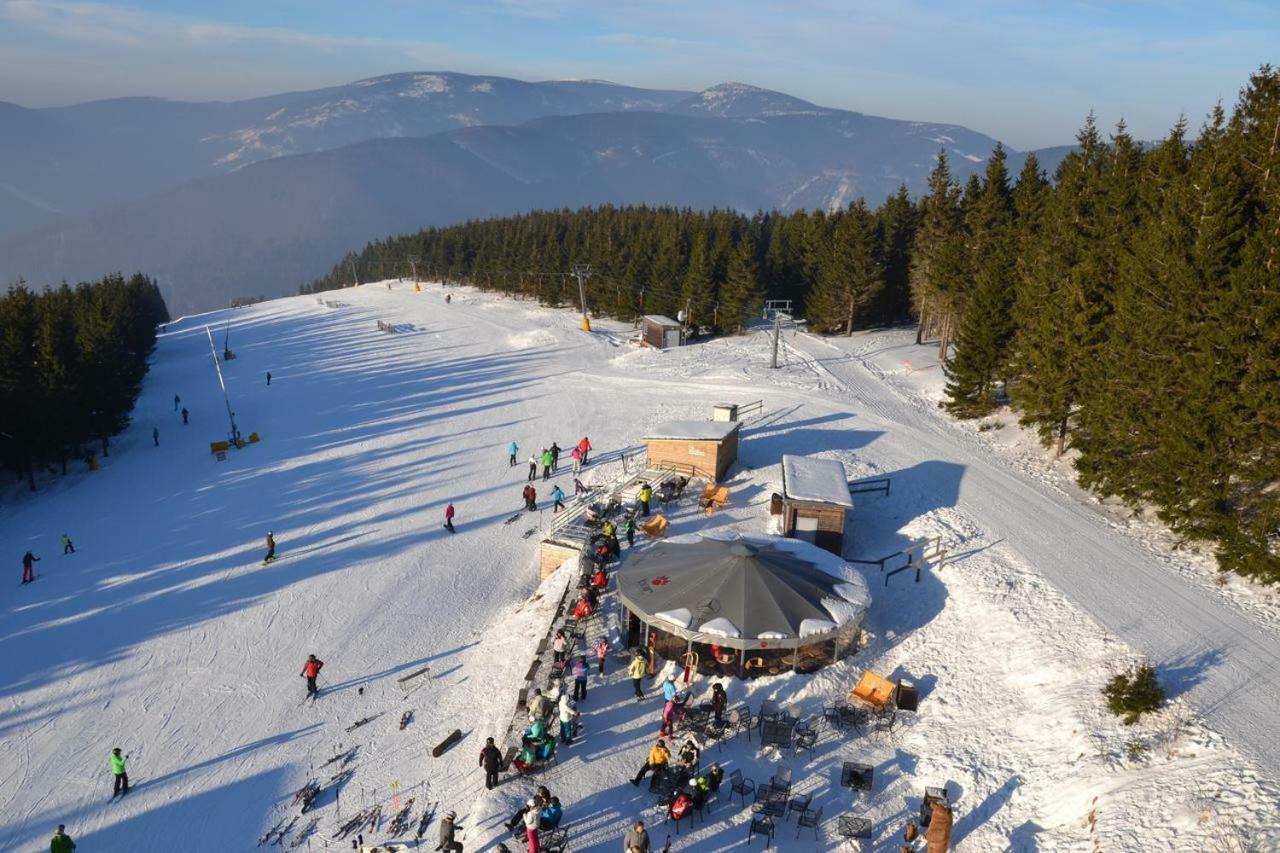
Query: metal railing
{"points": [[917, 555], [867, 487]]}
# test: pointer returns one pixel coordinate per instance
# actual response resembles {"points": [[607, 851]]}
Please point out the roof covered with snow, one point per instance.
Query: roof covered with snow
{"points": [[816, 480], [701, 430], [660, 320]]}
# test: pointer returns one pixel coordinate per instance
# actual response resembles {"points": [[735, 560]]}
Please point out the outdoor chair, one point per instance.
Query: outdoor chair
{"points": [[806, 739], [781, 779], [769, 709], [553, 840], [762, 824], [799, 804], [740, 785], [740, 720], [809, 819], [884, 723], [852, 828]]}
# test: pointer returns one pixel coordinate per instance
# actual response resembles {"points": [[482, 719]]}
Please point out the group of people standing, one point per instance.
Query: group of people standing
{"points": [[549, 460]]}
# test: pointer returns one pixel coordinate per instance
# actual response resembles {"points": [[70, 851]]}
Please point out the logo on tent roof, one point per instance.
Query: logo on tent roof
{"points": [[661, 580]]}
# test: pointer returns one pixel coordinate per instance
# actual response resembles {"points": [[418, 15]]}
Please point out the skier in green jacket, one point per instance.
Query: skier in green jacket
{"points": [[547, 458], [118, 768], [61, 842]]}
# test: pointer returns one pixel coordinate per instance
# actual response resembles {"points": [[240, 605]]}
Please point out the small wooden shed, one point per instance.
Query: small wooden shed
{"points": [[815, 498], [660, 332], [696, 448]]}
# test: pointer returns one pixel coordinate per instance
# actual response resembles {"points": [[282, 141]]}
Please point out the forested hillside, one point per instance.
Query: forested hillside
{"points": [[1128, 308], [71, 364]]}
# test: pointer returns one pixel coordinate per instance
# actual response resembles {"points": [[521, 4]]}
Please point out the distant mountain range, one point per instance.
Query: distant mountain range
{"points": [[252, 197]]}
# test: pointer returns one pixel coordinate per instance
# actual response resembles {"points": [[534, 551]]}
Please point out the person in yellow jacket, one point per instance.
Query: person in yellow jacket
{"points": [[635, 671], [657, 762]]}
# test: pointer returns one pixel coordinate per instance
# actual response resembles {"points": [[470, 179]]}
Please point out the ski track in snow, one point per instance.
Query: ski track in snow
{"points": [[165, 635]]}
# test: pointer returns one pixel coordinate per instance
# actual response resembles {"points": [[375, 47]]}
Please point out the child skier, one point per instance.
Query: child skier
{"points": [[448, 518], [120, 771], [602, 652], [513, 449], [67, 547], [271, 548]]}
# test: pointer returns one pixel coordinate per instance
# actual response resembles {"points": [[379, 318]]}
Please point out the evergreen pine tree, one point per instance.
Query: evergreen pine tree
{"points": [[741, 293], [850, 274]]}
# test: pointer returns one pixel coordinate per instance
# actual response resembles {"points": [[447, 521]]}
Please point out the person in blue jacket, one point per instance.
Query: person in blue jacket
{"points": [[557, 495], [513, 449], [551, 814]]}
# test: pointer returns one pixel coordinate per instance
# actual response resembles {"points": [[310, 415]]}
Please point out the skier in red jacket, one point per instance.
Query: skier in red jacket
{"points": [[310, 670], [448, 518]]}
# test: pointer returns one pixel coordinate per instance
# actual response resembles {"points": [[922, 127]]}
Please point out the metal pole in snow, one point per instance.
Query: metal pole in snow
{"points": [[583, 272], [777, 329]]}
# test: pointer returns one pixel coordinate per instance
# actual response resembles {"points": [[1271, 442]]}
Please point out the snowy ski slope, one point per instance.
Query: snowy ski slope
{"points": [[165, 635]]}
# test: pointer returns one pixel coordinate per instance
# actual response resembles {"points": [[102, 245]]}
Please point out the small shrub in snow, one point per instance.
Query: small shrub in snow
{"points": [[1132, 694]]}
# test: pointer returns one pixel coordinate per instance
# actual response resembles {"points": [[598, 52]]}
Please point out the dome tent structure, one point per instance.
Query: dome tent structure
{"points": [[748, 605]]}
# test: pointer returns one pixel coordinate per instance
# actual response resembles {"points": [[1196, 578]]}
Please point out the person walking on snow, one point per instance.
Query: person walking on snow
{"points": [[635, 671], [447, 843], [67, 547], [120, 771], [559, 646], [585, 447], [629, 528], [176, 401], [646, 495], [530, 498], [271, 548], [491, 761], [602, 652], [576, 454], [513, 449], [636, 839], [533, 467], [155, 435], [185, 415], [268, 377], [669, 688], [567, 713], [310, 670], [546, 464], [555, 456], [61, 842], [580, 671], [29, 561], [558, 496], [448, 518]]}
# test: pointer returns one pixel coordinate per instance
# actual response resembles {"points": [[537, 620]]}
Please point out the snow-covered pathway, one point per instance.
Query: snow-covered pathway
{"points": [[1224, 662]]}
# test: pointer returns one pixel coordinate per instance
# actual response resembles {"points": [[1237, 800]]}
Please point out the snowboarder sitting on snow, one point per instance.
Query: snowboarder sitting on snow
{"points": [[551, 815], [271, 548], [61, 842], [447, 842], [310, 670], [657, 762], [120, 771], [28, 567], [67, 547]]}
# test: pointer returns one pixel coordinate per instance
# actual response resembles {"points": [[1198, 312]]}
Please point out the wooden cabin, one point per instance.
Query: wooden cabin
{"points": [[695, 448], [815, 499], [660, 332]]}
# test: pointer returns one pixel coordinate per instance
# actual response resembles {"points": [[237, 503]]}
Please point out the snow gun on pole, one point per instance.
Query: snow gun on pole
{"points": [[582, 272], [217, 366]]}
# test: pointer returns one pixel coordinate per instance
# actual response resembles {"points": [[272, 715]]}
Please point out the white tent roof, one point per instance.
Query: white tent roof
{"points": [[817, 480]]}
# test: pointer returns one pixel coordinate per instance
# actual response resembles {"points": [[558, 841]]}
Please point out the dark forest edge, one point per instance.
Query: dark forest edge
{"points": [[1128, 310], [72, 360]]}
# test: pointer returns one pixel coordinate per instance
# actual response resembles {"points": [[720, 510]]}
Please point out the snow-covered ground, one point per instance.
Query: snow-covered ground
{"points": [[165, 635]]}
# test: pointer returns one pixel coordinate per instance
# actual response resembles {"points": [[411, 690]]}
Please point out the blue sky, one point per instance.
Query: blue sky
{"points": [[1024, 71]]}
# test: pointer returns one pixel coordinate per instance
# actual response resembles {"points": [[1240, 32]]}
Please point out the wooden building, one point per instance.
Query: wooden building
{"points": [[660, 332], [815, 498], [695, 448]]}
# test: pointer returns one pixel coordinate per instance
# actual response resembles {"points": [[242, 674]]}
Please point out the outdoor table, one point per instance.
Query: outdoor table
{"points": [[850, 826], [770, 800], [856, 775]]}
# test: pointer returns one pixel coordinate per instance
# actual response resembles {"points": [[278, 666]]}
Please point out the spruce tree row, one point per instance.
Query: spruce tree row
{"points": [[1129, 312], [71, 364], [842, 270]]}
